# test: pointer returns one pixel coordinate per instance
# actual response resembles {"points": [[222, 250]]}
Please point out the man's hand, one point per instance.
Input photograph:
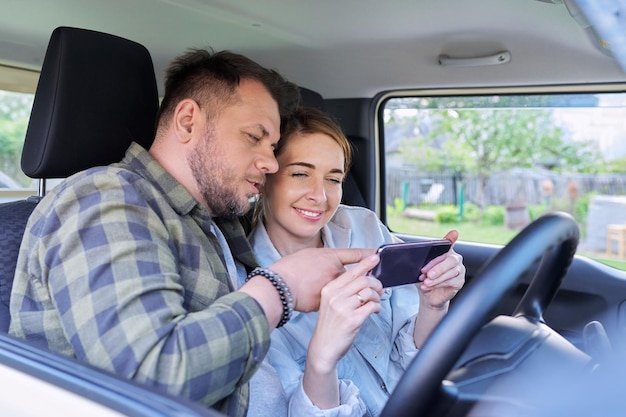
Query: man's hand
{"points": [[307, 271]]}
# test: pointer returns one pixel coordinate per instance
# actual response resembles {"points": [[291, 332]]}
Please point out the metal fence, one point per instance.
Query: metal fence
{"points": [[509, 188]]}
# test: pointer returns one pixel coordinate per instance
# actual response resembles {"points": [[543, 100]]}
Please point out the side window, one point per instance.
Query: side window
{"points": [[488, 164], [16, 99]]}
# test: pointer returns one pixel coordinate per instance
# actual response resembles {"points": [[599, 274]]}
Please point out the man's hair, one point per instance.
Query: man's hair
{"points": [[211, 79]]}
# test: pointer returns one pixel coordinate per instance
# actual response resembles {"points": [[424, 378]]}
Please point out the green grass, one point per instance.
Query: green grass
{"points": [[611, 262], [474, 232], [467, 231]]}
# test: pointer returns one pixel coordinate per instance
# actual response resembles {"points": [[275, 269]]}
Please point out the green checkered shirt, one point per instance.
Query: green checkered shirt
{"points": [[119, 268]]}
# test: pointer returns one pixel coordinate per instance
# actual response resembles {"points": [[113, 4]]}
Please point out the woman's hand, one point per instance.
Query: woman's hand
{"points": [[345, 304], [440, 281], [443, 277]]}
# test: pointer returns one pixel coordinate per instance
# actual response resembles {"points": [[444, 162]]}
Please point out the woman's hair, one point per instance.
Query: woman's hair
{"points": [[309, 120], [306, 121], [212, 78]]}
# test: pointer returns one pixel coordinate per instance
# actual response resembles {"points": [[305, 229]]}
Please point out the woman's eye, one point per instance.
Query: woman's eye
{"points": [[299, 174], [335, 180]]}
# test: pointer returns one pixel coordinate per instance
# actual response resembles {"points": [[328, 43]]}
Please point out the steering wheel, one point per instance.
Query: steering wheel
{"points": [[553, 239]]}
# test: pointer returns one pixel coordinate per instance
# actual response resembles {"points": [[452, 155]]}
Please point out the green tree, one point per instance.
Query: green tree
{"points": [[490, 140], [617, 166], [14, 113]]}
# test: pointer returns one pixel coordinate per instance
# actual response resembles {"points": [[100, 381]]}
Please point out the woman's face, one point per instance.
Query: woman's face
{"points": [[306, 191]]}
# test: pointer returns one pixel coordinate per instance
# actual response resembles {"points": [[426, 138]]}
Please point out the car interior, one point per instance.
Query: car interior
{"points": [[70, 131], [536, 324]]}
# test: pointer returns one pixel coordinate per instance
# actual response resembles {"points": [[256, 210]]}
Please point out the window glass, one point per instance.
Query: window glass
{"points": [[14, 113], [489, 164]]}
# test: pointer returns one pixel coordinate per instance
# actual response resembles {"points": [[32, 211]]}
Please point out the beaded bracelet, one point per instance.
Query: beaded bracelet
{"points": [[281, 287]]}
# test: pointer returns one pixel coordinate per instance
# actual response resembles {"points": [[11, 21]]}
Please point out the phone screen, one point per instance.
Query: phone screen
{"points": [[400, 263]]}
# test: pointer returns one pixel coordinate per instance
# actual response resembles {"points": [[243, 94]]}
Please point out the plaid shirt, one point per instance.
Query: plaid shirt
{"points": [[118, 268]]}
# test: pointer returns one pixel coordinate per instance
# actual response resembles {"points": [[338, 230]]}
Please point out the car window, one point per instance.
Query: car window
{"points": [[487, 163], [15, 110]]}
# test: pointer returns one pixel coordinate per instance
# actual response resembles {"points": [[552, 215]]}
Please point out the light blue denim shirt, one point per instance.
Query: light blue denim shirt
{"points": [[381, 352]]}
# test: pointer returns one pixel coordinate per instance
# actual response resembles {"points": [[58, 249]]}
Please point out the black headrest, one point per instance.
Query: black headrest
{"points": [[310, 98], [96, 93], [351, 193]]}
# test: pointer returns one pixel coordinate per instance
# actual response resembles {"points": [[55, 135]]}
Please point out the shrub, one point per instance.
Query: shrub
{"points": [[471, 212], [581, 208], [536, 211], [494, 215], [447, 214], [397, 208]]}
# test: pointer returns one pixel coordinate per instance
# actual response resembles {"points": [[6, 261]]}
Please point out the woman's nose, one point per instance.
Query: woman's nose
{"points": [[317, 192]]}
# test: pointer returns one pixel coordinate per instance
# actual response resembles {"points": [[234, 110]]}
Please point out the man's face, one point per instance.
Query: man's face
{"points": [[230, 162]]}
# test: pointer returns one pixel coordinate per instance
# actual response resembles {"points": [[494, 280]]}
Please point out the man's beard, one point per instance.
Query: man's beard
{"points": [[217, 183]]}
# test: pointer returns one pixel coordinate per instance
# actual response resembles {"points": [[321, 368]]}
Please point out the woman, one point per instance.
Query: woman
{"points": [[343, 360]]}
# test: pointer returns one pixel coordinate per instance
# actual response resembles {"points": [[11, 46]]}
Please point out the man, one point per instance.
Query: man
{"points": [[130, 267]]}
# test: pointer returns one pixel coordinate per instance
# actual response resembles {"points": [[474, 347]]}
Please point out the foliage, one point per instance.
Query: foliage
{"points": [[447, 214], [14, 113], [471, 212], [578, 208], [617, 166], [468, 231], [397, 208], [463, 138], [511, 101], [494, 215], [581, 208], [562, 204], [473, 232], [535, 211]]}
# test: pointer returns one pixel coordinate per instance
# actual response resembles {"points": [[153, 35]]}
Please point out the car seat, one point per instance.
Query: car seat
{"points": [[352, 194], [96, 93]]}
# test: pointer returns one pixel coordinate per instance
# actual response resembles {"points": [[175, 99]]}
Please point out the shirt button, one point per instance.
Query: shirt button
{"points": [[383, 386]]}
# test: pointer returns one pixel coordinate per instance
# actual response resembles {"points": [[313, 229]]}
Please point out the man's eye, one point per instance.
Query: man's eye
{"points": [[253, 137]]}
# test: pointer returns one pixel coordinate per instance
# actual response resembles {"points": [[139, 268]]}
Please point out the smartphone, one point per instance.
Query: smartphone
{"points": [[401, 263]]}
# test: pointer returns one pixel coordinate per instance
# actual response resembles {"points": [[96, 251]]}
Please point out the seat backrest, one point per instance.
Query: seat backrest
{"points": [[352, 195], [13, 217], [96, 94]]}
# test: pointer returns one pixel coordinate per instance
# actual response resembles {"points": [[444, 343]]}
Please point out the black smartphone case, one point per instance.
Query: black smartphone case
{"points": [[400, 263]]}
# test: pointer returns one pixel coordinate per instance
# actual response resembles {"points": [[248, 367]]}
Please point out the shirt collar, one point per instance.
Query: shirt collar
{"points": [[140, 160]]}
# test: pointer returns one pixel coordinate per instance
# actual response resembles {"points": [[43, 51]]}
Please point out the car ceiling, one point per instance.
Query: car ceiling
{"points": [[340, 48]]}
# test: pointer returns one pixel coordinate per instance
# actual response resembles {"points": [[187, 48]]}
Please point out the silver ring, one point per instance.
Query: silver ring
{"points": [[361, 300]]}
